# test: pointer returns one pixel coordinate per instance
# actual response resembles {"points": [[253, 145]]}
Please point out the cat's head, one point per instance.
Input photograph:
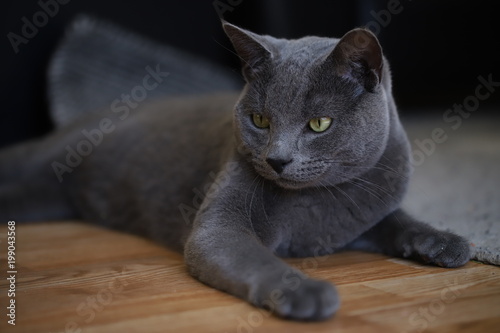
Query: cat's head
{"points": [[313, 111]]}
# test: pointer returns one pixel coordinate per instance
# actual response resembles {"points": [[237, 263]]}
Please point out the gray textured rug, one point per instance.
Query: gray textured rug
{"points": [[456, 185]]}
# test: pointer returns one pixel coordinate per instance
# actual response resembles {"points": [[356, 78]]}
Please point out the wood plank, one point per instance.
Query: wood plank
{"points": [[74, 277]]}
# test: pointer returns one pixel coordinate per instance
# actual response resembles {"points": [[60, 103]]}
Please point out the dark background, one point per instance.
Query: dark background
{"points": [[437, 49]]}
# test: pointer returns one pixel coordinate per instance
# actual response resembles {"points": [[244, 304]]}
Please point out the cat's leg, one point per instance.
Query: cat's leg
{"points": [[224, 252], [400, 235]]}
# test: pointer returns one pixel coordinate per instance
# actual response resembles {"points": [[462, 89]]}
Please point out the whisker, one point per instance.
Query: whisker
{"points": [[249, 208], [393, 169], [326, 188], [376, 186], [262, 182], [370, 191], [347, 196], [381, 167]]}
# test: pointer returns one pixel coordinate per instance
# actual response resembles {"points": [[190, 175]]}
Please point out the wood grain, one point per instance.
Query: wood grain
{"points": [[73, 277]]}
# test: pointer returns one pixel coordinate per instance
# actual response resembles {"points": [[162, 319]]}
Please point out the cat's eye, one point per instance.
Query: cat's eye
{"points": [[260, 121], [320, 124]]}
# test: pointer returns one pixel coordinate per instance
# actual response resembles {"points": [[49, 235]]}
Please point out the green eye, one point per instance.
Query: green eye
{"points": [[320, 124], [260, 121]]}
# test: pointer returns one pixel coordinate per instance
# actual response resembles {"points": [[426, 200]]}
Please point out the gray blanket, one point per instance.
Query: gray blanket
{"points": [[457, 185]]}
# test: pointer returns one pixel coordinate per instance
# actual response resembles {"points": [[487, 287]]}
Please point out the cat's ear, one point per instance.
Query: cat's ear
{"points": [[358, 56], [250, 48]]}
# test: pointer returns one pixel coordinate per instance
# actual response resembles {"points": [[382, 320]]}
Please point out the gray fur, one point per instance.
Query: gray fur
{"points": [[203, 180]]}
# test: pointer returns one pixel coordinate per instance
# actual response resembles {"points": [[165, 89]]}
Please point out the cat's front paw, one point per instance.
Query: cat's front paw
{"points": [[441, 248], [303, 299]]}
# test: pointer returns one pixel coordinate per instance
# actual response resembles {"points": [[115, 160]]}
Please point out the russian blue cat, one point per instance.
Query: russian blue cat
{"points": [[306, 161]]}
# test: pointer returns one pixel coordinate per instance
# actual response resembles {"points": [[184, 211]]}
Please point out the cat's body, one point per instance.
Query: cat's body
{"points": [[139, 171], [307, 164]]}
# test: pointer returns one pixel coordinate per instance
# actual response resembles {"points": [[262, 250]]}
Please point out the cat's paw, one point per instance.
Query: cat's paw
{"points": [[305, 299], [441, 248]]}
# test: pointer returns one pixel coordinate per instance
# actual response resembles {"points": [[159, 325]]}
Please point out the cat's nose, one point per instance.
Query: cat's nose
{"points": [[278, 164]]}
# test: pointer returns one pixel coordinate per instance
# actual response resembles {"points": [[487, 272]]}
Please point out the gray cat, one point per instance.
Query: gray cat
{"points": [[307, 164]]}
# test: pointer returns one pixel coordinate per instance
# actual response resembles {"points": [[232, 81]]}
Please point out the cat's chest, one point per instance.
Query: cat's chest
{"points": [[301, 223], [308, 211]]}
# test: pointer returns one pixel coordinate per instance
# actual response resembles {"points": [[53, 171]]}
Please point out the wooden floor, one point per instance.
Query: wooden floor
{"points": [[77, 278]]}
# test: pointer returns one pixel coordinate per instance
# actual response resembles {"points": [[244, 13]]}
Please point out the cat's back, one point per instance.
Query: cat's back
{"points": [[170, 135], [153, 161], [160, 130]]}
